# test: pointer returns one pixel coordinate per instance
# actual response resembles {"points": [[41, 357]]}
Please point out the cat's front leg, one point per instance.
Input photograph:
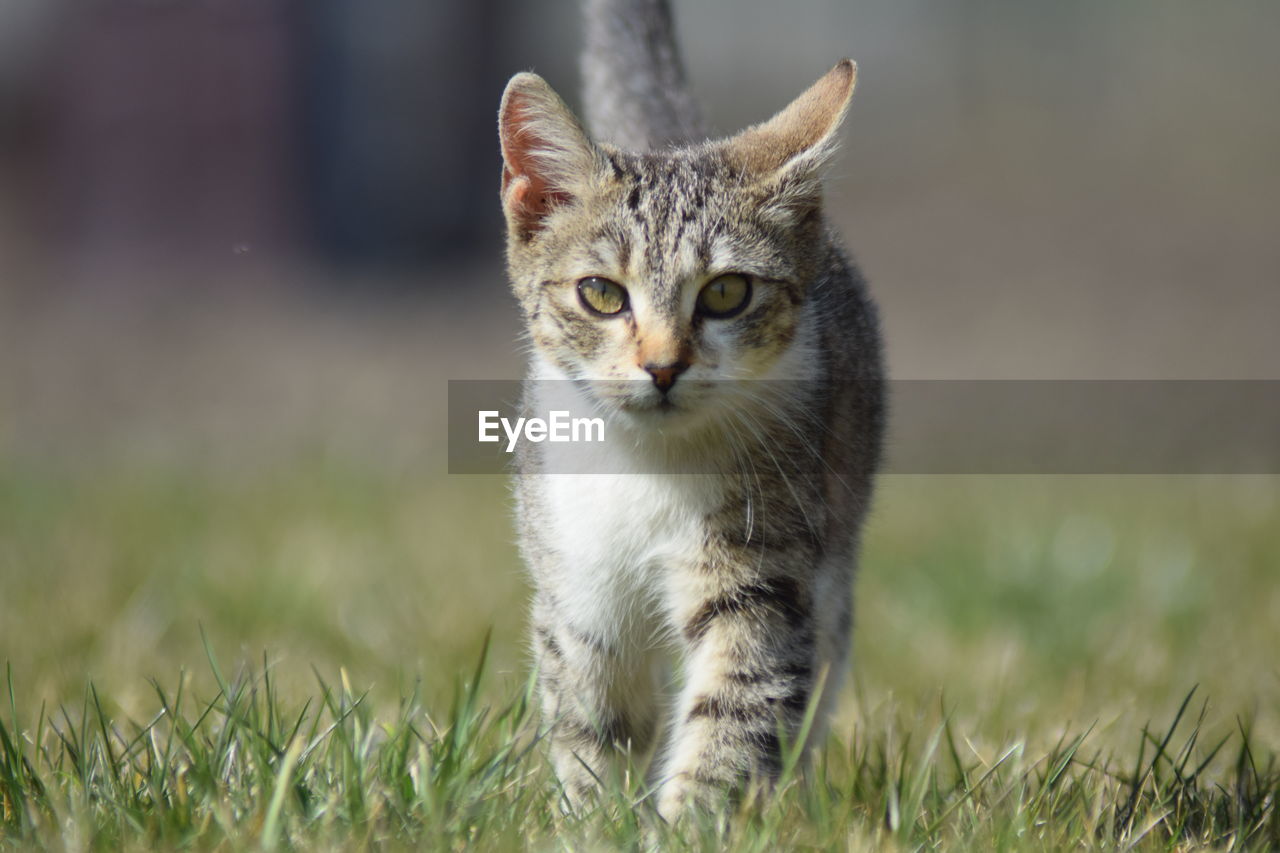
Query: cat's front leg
{"points": [[598, 698], [749, 672]]}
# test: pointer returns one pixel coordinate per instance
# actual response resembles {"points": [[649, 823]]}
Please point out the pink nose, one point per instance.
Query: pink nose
{"points": [[664, 375]]}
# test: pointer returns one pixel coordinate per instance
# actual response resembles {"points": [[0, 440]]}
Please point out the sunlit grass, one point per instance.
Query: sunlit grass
{"points": [[246, 768], [289, 656]]}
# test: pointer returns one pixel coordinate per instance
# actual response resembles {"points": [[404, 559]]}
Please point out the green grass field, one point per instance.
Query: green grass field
{"points": [[291, 656]]}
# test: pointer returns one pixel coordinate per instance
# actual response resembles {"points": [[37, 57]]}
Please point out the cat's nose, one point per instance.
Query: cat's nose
{"points": [[664, 375]]}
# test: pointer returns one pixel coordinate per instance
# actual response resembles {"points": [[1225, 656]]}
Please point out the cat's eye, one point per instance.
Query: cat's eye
{"points": [[602, 296], [724, 296]]}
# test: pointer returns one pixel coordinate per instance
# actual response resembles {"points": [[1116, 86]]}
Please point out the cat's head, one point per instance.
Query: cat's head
{"points": [[666, 277]]}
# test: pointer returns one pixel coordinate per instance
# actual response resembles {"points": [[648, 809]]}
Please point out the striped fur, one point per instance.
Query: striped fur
{"points": [[742, 571]]}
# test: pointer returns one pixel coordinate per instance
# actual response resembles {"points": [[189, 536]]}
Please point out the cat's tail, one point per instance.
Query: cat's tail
{"points": [[634, 88]]}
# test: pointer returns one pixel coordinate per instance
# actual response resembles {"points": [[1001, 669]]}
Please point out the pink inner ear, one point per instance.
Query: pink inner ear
{"points": [[524, 198], [528, 195]]}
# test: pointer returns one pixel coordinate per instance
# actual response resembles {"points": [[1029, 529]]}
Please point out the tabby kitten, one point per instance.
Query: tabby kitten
{"points": [[693, 294]]}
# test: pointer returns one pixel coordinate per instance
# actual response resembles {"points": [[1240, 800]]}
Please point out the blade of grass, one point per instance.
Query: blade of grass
{"points": [[284, 774]]}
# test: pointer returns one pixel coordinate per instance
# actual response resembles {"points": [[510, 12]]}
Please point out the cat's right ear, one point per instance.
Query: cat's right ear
{"points": [[546, 155], [802, 136], [786, 154]]}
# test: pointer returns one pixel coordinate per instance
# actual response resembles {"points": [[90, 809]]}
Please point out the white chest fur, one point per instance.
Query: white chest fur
{"points": [[619, 536]]}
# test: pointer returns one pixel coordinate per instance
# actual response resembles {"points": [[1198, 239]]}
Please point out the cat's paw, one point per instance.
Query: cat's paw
{"points": [[683, 795]]}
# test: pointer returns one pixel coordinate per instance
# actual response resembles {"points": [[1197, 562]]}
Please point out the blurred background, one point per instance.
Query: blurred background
{"points": [[245, 243]]}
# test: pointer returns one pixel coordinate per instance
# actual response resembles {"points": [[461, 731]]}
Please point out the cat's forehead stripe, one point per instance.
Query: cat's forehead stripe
{"points": [[610, 251], [668, 199], [669, 226]]}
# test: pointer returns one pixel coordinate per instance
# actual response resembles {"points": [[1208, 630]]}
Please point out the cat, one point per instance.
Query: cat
{"points": [[691, 291]]}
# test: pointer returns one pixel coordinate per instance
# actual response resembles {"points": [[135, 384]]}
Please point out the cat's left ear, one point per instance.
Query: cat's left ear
{"points": [[547, 157], [797, 141]]}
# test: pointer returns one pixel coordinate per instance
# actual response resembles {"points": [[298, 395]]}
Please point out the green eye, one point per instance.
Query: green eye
{"points": [[725, 296], [601, 296]]}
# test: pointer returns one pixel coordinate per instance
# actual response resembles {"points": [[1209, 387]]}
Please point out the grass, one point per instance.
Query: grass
{"points": [[1042, 663], [245, 769]]}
